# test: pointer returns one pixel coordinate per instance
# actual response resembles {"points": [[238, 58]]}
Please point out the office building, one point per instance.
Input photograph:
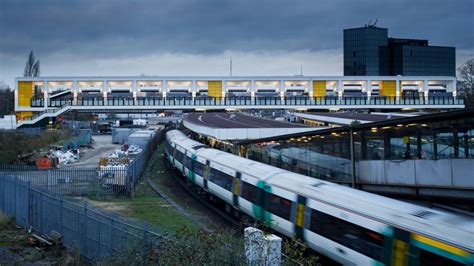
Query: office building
{"points": [[368, 51]]}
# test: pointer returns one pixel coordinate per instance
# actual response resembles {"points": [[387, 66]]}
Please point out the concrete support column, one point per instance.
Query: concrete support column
{"points": [[105, 90], [310, 92], [260, 248], [134, 90], [134, 87], [45, 94], [425, 89], [397, 89], [75, 91], [451, 87], [223, 90], [164, 88], [368, 86], [282, 88], [339, 89], [193, 89], [252, 88]]}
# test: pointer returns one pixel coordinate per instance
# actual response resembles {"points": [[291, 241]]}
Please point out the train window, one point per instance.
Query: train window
{"points": [[179, 156], [278, 206], [432, 259], [199, 168], [189, 162], [221, 179], [360, 239], [168, 147], [249, 192]]}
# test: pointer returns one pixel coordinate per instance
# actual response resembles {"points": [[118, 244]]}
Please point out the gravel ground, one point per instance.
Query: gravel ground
{"points": [[101, 147]]}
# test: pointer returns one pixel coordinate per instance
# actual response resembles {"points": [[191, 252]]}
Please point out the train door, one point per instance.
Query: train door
{"points": [[185, 159], [174, 155], [236, 187], [206, 174]]}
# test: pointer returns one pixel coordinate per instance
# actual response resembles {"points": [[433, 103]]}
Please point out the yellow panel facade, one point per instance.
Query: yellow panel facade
{"points": [[388, 88], [214, 88], [319, 88], [25, 93], [22, 115]]}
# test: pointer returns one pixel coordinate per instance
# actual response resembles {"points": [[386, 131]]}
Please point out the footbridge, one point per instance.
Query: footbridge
{"points": [[41, 97]]}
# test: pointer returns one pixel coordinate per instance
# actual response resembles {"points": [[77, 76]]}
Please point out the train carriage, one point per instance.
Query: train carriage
{"points": [[348, 225]]}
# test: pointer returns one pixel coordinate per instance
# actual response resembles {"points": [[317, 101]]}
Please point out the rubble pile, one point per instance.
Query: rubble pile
{"points": [[120, 159], [65, 157]]}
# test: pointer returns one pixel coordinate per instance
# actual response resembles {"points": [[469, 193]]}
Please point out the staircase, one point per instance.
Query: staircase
{"points": [[41, 115]]}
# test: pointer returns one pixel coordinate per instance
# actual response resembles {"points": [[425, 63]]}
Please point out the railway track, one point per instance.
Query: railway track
{"points": [[177, 177]]}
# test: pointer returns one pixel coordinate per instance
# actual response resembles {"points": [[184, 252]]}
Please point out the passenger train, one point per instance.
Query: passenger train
{"points": [[347, 225]]}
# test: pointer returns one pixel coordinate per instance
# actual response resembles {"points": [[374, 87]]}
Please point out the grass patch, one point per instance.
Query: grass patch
{"points": [[160, 174], [153, 210], [147, 205], [5, 221]]}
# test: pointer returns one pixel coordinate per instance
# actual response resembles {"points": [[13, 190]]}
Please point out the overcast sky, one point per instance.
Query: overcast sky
{"points": [[181, 37]]}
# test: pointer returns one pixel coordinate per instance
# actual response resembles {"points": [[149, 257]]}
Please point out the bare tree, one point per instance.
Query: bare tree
{"points": [[32, 67], [7, 100], [466, 81]]}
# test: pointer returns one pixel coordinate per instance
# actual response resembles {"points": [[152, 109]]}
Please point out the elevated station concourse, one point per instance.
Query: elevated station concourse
{"points": [[336, 119], [42, 97]]}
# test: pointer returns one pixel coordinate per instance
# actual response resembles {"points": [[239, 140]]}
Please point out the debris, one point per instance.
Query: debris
{"points": [[56, 237], [41, 240], [65, 157], [121, 158], [134, 149]]}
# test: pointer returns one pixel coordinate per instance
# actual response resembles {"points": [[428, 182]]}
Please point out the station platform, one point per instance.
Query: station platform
{"points": [[426, 156], [344, 119], [238, 126]]}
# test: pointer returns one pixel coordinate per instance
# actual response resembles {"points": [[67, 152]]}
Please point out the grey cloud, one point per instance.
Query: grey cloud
{"points": [[102, 29], [214, 26]]}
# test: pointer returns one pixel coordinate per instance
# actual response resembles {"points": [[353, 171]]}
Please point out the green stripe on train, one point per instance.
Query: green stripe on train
{"points": [[192, 175], [259, 209]]}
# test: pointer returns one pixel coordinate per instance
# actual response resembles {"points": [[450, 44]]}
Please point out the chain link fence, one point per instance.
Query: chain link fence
{"points": [[78, 181], [93, 232]]}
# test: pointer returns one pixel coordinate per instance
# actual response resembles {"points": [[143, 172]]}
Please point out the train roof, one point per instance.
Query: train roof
{"points": [[182, 140], [244, 166]]}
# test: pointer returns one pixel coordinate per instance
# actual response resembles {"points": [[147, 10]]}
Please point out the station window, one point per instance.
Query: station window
{"points": [[221, 179], [278, 206], [355, 237], [249, 192]]}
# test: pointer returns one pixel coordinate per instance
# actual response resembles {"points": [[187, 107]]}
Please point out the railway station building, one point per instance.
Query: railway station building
{"points": [[41, 98]]}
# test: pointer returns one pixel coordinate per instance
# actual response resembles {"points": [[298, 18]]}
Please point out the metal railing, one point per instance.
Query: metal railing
{"points": [[69, 181], [253, 101], [93, 232]]}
